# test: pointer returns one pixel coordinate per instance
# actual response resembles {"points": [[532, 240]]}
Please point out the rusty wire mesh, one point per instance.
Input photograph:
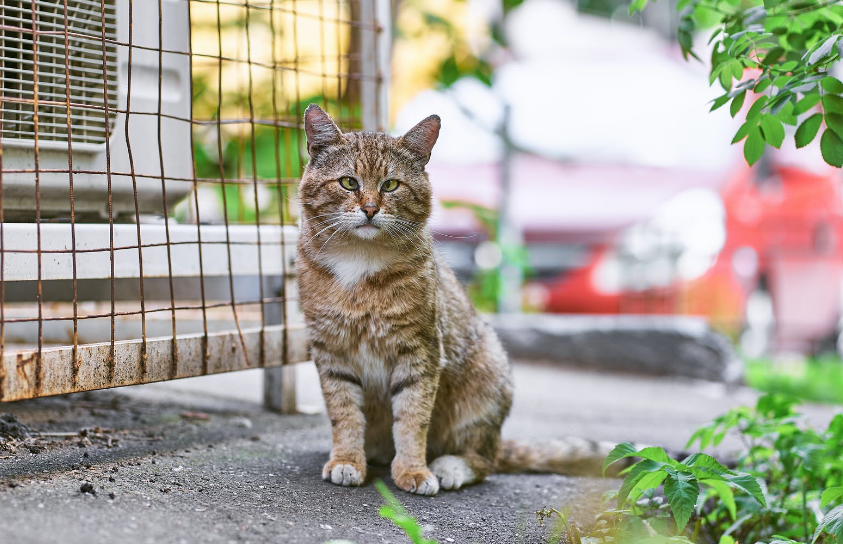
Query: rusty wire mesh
{"points": [[149, 157]]}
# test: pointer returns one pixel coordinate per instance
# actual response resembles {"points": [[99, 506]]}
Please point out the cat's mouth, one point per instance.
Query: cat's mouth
{"points": [[367, 231]]}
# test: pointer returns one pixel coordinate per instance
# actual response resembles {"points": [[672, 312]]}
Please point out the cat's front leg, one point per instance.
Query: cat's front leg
{"points": [[343, 394], [413, 390]]}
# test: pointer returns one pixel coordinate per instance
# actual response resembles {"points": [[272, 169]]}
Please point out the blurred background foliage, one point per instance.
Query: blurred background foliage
{"points": [[760, 49]]}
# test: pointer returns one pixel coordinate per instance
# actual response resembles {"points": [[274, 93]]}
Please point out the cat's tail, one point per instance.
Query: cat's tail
{"points": [[569, 456]]}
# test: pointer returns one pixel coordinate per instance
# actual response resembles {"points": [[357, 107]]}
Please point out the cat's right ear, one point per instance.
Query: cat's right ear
{"points": [[421, 138], [320, 129]]}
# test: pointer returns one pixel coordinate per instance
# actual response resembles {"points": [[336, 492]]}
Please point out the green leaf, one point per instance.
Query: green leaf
{"points": [[726, 78], [649, 481], [807, 131], [753, 148], [756, 108], [637, 472], [806, 103], [706, 463], [787, 116], [773, 55], [636, 5], [770, 4], [748, 483], [725, 493], [737, 103], [719, 101], [832, 524], [773, 131], [395, 512], [737, 70], [681, 491], [832, 148], [656, 454], [833, 103], [823, 50], [832, 494], [739, 135], [832, 85], [624, 449], [834, 121], [762, 85]]}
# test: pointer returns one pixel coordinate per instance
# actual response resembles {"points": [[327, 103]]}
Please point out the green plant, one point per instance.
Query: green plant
{"points": [[818, 379], [486, 284], [779, 490], [395, 512], [684, 483], [778, 54]]}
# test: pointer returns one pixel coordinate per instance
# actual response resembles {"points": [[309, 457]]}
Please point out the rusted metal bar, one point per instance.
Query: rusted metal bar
{"points": [[20, 380]]}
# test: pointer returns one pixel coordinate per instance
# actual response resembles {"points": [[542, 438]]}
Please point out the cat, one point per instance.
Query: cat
{"points": [[409, 372]]}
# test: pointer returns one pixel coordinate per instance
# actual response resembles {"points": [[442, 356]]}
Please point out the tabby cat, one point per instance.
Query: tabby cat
{"points": [[409, 372]]}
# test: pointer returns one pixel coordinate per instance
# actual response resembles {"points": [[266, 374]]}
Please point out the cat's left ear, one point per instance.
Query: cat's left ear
{"points": [[320, 129], [421, 138]]}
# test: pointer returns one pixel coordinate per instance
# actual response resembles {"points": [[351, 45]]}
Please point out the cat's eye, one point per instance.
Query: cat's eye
{"points": [[349, 184], [389, 185]]}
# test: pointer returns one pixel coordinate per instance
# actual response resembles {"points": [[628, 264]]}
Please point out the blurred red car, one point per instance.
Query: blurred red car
{"points": [[759, 251]]}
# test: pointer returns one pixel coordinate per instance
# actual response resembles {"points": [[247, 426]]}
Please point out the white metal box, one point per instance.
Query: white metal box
{"points": [[44, 32]]}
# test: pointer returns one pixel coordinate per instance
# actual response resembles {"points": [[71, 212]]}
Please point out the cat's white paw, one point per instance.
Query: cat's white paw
{"points": [[429, 487], [453, 472], [343, 474], [419, 482]]}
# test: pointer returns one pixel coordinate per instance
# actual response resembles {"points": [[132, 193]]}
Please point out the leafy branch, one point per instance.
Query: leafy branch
{"points": [[776, 54]]}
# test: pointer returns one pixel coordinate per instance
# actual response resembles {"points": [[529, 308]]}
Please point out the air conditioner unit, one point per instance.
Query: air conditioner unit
{"points": [[36, 38]]}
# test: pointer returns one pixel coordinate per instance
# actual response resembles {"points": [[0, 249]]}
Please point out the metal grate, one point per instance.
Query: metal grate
{"points": [[76, 49], [166, 252]]}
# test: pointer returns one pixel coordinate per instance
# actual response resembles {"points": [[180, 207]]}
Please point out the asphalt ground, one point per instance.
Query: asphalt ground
{"points": [[200, 461]]}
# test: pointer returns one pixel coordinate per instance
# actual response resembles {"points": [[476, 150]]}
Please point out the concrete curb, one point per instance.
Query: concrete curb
{"points": [[655, 345]]}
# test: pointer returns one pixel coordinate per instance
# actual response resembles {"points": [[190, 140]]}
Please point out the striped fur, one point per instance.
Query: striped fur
{"points": [[409, 372]]}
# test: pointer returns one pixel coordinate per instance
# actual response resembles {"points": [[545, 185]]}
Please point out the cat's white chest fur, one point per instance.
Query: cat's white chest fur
{"points": [[373, 370], [350, 267]]}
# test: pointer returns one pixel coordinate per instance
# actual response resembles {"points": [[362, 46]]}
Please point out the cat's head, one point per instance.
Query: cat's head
{"points": [[365, 185]]}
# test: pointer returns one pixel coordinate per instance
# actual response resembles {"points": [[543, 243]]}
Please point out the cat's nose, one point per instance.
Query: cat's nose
{"points": [[370, 209]]}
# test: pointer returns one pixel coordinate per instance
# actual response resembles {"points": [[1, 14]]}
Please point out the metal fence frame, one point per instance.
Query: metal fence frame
{"points": [[90, 256]]}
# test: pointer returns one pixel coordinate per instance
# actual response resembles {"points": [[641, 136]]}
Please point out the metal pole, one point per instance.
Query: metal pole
{"points": [[375, 52], [509, 235]]}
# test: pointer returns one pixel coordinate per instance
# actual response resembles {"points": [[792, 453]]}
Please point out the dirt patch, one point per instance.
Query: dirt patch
{"points": [[12, 429]]}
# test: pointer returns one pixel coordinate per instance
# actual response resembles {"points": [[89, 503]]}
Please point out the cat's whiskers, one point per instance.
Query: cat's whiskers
{"points": [[323, 222], [403, 232], [414, 231], [418, 224], [309, 219], [343, 228], [340, 223]]}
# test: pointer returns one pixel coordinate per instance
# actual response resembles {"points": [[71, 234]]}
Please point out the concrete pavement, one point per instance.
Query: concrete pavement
{"points": [[199, 461]]}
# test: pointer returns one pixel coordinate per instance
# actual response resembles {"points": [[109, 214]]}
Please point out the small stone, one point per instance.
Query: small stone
{"points": [[112, 496], [243, 422], [111, 479], [34, 449], [85, 454], [88, 487]]}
